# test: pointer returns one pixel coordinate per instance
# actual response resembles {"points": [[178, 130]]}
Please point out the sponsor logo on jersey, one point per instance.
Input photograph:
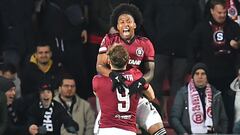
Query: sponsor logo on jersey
{"points": [[134, 62], [125, 117], [139, 51]]}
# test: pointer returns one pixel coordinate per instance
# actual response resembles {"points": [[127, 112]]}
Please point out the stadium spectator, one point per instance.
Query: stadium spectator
{"points": [[3, 107], [198, 106], [215, 42], [16, 123], [79, 109], [46, 116], [39, 68], [9, 71]]}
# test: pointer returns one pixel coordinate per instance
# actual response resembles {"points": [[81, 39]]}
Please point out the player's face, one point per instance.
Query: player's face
{"points": [[68, 88], [43, 54], [200, 78], [46, 97], [126, 26], [219, 13], [10, 94]]}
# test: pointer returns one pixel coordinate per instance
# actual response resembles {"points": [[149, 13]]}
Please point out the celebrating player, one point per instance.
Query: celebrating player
{"points": [[126, 18]]}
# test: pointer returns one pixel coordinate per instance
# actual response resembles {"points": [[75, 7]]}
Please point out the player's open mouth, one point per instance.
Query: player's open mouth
{"points": [[126, 30], [46, 99]]}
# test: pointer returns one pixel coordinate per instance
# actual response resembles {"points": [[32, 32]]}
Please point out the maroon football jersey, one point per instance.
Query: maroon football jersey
{"points": [[118, 109], [140, 49]]}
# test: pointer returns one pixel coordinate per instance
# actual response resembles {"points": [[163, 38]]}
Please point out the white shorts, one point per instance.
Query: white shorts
{"points": [[96, 125], [147, 115], [114, 131]]}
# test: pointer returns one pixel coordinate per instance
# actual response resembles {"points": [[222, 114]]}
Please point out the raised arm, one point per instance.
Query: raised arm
{"points": [[149, 93], [148, 71], [101, 64]]}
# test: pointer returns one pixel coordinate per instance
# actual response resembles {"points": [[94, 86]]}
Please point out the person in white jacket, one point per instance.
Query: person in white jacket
{"points": [[235, 86]]}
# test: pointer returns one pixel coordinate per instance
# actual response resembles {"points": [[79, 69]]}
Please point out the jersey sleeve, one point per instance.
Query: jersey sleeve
{"points": [[149, 51], [138, 74], [106, 42], [95, 82]]}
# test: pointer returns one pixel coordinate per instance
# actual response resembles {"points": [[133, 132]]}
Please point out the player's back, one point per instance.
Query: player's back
{"points": [[118, 109]]}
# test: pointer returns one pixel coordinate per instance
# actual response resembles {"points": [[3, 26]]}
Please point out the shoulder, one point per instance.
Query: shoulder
{"points": [[30, 66], [232, 26], [99, 77], [99, 81], [111, 36], [81, 101], [56, 65], [2, 98], [142, 38], [231, 22], [56, 97], [215, 91], [183, 90], [57, 105], [107, 41]]}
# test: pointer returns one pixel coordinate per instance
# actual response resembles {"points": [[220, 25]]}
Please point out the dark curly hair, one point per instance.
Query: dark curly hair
{"points": [[125, 8]]}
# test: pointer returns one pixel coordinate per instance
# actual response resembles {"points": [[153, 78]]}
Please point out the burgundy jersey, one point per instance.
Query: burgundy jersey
{"points": [[118, 109], [140, 49]]}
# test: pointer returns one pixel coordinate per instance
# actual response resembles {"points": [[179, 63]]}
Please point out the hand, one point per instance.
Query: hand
{"points": [[42, 130], [84, 36], [71, 129], [117, 81], [33, 129], [155, 101], [234, 44], [137, 86]]}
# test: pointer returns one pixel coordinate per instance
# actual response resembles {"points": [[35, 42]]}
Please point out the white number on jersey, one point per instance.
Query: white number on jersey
{"points": [[123, 98]]}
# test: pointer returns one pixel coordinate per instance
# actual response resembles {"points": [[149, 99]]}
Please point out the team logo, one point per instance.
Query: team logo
{"points": [[197, 117], [218, 37], [232, 12], [139, 51], [209, 112]]}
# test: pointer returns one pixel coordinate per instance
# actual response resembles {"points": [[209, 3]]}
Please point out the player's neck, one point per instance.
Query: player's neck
{"points": [[118, 69]]}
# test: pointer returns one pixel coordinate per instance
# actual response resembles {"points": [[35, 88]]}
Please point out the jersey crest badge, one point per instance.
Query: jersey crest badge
{"points": [[139, 52]]}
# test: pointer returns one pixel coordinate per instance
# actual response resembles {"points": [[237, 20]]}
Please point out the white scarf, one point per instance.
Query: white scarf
{"points": [[198, 124]]}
